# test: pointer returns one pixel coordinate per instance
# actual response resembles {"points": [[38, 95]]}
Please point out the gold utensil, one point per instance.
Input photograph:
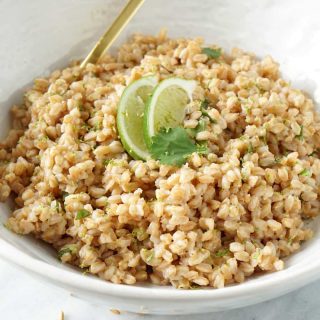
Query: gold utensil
{"points": [[112, 32]]}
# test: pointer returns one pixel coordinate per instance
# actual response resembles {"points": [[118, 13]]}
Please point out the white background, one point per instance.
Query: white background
{"points": [[25, 298]]}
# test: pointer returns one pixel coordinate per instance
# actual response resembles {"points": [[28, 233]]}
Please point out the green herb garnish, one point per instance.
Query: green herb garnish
{"points": [[247, 109], [139, 233], [278, 158], [147, 255], [44, 138], [305, 173], [173, 146], [263, 139], [222, 253], [256, 255], [250, 148], [83, 213], [195, 286], [192, 132], [212, 53], [69, 248], [200, 127], [57, 205], [114, 162], [300, 135], [106, 162], [203, 108], [85, 126], [204, 104]]}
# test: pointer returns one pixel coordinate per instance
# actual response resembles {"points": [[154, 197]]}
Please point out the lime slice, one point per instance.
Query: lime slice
{"points": [[130, 114], [166, 107]]}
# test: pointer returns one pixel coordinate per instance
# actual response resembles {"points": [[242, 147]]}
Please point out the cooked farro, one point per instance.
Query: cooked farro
{"points": [[216, 220]]}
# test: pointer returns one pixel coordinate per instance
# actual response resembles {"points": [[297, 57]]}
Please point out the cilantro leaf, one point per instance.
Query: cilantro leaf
{"points": [[83, 213], [250, 148], [106, 162], [278, 158], [200, 127], [204, 104], [305, 173], [69, 248], [202, 147], [300, 135], [212, 53], [173, 146], [222, 253], [203, 108]]}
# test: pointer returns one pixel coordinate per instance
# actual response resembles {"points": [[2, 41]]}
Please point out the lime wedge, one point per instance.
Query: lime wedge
{"points": [[166, 107], [130, 115]]}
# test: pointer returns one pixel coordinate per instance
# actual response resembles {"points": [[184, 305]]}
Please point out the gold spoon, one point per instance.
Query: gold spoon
{"points": [[112, 32]]}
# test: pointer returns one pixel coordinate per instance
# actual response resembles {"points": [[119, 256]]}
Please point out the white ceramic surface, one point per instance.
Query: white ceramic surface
{"points": [[21, 295], [40, 35]]}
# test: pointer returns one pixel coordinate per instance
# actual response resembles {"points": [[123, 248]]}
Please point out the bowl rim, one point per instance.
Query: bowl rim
{"points": [[296, 276]]}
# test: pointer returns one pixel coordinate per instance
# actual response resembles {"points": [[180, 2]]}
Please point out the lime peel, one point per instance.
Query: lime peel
{"points": [[130, 113], [166, 107]]}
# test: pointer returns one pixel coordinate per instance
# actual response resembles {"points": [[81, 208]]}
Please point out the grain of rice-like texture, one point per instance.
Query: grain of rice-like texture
{"points": [[216, 220]]}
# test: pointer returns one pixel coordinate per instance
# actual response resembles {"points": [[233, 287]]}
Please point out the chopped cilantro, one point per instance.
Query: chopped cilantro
{"points": [[106, 162], [86, 271], [201, 126], [139, 233], [204, 104], [278, 158], [263, 139], [83, 213], [173, 146], [96, 127], [57, 205], [7, 226], [44, 138], [114, 162], [290, 240], [203, 108], [300, 135], [150, 256], [222, 253], [244, 177], [212, 53], [256, 255], [147, 255], [250, 148], [305, 173], [247, 109], [85, 126], [69, 248], [195, 286]]}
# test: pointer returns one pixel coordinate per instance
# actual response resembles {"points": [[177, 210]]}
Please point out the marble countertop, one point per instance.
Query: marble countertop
{"points": [[23, 297]]}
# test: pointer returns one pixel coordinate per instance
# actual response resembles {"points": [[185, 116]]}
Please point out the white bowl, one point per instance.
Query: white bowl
{"points": [[38, 36]]}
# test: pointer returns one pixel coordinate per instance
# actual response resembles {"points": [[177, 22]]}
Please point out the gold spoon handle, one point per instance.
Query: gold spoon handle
{"points": [[112, 33]]}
